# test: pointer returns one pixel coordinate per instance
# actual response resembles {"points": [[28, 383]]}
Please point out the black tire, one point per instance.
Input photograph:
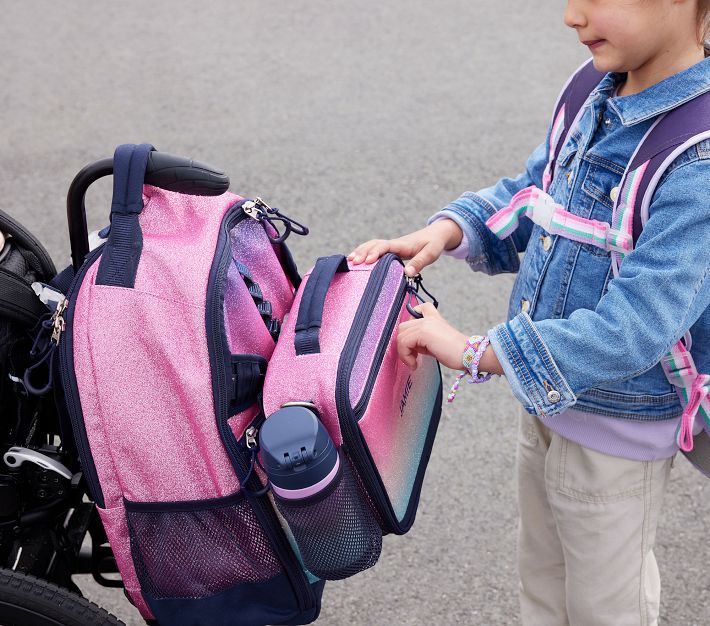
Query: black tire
{"points": [[29, 601]]}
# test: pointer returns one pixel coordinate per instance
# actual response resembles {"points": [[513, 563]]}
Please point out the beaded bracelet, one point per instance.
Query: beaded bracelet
{"points": [[475, 347]]}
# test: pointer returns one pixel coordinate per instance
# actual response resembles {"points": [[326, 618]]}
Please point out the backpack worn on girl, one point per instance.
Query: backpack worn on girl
{"points": [[671, 135]]}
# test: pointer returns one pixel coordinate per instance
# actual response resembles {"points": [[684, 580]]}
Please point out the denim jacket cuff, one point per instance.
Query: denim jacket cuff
{"points": [[532, 373], [470, 212]]}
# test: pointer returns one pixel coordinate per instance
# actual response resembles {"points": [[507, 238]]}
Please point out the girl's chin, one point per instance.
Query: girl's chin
{"points": [[604, 63]]}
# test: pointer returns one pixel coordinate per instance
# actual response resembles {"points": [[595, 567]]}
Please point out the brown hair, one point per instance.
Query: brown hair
{"points": [[703, 18]]}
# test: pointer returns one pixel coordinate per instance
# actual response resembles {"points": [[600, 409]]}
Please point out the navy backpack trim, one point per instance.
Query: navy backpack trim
{"points": [[122, 252]]}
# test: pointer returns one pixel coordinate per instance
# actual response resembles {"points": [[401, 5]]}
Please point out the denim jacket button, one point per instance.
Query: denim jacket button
{"points": [[614, 194], [524, 305], [569, 178], [553, 396], [546, 243]]}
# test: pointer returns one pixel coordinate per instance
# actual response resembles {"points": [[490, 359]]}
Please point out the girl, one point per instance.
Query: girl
{"points": [[581, 347]]}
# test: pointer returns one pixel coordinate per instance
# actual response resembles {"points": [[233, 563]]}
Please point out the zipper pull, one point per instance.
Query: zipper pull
{"points": [[251, 208], [265, 208], [250, 435], [257, 209], [58, 322], [44, 350]]}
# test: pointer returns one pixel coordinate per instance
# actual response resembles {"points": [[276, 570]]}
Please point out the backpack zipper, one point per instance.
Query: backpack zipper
{"points": [[217, 349], [63, 336]]}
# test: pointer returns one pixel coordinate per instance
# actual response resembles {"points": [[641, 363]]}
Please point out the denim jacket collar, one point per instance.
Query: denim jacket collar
{"points": [[659, 98]]}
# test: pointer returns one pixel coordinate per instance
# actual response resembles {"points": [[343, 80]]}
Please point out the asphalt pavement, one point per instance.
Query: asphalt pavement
{"points": [[360, 119]]}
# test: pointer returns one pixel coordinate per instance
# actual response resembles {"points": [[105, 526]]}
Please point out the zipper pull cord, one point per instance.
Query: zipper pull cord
{"points": [[262, 212], [413, 286], [419, 284], [47, 356], [57, 325]]}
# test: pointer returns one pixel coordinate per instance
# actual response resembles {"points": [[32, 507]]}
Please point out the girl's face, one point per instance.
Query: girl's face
{"points": [[624, 35]]}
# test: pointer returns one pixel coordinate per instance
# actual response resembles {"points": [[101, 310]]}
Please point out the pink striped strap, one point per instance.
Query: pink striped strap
{"points": [[558, 127], [541, 208], [623, 216], [693, 390]]}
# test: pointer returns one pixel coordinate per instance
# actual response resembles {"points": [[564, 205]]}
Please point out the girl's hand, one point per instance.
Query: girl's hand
{"points": [[423, 247], [431, 335], [434, 336]]}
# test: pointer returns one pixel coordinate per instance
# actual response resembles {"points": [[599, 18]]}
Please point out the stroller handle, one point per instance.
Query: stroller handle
{"points": [[167, 171]]}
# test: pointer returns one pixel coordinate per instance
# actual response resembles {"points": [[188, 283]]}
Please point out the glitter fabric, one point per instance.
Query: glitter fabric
{"points": [[116, 526], [398, 415], [238, 423], [155, 435], [144, 378], [312, 376], [375, 327], [252, 248], [245, 329], [397, 421]]}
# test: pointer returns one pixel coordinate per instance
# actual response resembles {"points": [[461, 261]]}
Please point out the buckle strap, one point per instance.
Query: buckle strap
{"points": [[699, 392], [679, 366], [693, 390], [248, 372], [541, 208]]}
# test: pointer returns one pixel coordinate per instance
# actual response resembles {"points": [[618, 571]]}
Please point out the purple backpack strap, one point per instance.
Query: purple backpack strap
{"points": [[672, 134], [567, 110]]}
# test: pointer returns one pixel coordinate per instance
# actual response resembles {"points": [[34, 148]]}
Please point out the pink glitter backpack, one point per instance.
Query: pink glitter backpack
{"points": [[164, 339], [337, 357]]}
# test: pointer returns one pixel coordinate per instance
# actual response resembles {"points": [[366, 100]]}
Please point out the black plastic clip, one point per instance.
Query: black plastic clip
{"points": [[262, 212], [414, 285]]}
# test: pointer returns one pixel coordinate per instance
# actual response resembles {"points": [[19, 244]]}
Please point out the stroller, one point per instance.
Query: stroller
{"points": [[49, 527]]}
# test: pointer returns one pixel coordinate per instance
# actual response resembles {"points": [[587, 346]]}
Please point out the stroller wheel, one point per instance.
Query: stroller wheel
{"points": [[29, 601]]}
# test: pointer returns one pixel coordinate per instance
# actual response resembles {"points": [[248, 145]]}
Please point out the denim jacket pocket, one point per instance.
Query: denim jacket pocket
{"points": [[601, 179], [568, 151]]}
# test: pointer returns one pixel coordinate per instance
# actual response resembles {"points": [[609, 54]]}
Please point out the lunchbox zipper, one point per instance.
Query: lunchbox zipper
{"points": [[237, 453], [348, 416]]}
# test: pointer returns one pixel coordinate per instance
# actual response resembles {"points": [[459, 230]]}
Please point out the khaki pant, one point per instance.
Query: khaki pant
{"points": [[586, 535]]}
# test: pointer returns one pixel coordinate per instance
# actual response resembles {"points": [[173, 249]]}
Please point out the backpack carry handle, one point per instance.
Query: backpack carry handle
{"points": [[310, 311], [167, 171]]}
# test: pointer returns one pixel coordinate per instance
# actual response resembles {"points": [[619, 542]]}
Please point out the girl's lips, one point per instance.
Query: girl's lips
{"points": [[593, 43]]}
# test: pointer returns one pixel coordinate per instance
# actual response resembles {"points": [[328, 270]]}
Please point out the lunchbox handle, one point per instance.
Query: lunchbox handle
{"points": [[310, 312]]}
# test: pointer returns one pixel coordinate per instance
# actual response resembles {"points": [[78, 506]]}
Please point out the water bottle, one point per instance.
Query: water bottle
{"points": [[318, 495]]}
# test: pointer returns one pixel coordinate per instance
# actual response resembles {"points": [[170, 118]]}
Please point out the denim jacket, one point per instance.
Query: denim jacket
{"points": [[574, 336]]}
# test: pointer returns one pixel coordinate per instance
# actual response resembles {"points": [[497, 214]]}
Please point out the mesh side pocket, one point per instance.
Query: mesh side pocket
{"points": [[196, 549], [336, 532]]}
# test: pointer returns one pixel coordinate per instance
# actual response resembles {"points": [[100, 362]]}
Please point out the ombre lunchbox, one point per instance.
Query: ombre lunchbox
{"points": [[337, 356]]}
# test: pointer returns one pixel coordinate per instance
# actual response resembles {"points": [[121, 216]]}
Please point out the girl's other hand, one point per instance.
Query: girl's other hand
{"points": [[423, 247], [432, 335]]}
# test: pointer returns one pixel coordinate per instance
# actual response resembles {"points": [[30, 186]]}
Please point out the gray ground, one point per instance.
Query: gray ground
{"points": [[362, 118]]}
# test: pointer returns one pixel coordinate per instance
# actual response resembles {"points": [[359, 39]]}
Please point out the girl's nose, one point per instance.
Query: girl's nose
{"points": [[574, 17]]}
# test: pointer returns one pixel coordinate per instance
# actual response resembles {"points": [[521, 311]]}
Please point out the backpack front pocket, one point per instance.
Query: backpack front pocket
{"points": [[198, 548], [206, 561]]}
